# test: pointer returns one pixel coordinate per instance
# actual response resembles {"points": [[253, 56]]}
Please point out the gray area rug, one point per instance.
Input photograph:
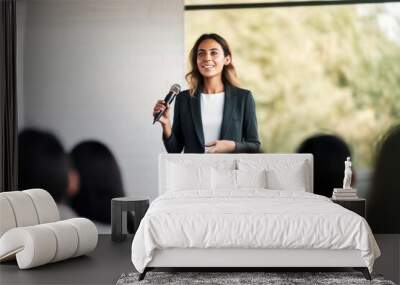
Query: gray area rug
{"points": [[225, 278]]}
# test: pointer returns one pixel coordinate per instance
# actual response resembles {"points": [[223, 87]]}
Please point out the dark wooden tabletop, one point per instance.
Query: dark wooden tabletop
{"points": [[102, 266]]}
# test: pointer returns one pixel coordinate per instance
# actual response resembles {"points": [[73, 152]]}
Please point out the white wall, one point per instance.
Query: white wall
{"points": [[93, 69]]}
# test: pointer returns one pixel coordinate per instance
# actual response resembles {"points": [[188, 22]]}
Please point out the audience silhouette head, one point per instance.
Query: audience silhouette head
{"points": [[383, 201], [42, 163], [99, 180], [329, 152]]}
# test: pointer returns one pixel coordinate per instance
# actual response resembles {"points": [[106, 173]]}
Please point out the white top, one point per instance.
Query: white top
{"points": [[212, 110]]}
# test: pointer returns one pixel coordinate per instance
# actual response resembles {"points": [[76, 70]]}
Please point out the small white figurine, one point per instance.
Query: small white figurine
{"points": [[347, 174]]}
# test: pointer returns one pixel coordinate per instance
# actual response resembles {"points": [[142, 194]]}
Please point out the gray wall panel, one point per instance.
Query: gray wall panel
{"points": [[92, 69]]}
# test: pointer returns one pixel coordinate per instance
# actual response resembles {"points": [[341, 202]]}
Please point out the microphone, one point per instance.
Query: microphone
{"points": [[173, 91]]}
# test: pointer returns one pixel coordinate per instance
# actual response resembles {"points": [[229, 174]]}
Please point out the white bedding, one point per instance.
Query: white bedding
{"points": [[250, 218]]}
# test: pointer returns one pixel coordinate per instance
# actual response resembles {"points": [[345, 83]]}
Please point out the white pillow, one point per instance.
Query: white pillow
{"points": [[188, 177], [251, 178], [282, 174], [237, 179], [296, 182], [223, 179], [293, 180], [189, 173]]}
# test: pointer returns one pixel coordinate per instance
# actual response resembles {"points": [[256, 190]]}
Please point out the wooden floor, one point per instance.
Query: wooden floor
{"points": [[110, 260], [102, 266]]}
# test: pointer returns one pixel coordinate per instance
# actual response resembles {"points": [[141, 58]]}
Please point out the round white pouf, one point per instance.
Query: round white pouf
{"points": [[87, 233], [45, 205], [7, 218], [33, 246], [40, 244], [67, 239], [23, 208]]}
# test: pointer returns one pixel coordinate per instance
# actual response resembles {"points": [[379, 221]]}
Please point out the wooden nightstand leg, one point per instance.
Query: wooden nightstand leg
{"points": [[364, 271]]}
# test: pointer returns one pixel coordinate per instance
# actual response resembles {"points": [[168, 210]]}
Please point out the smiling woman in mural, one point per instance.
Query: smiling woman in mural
{"points": [[214, 115]]}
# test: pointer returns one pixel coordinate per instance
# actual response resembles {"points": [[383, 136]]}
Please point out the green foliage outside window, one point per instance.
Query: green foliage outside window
{"points": [[312, 70]]}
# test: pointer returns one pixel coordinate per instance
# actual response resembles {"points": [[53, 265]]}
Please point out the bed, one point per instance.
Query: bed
{"points": [[245, 211]]}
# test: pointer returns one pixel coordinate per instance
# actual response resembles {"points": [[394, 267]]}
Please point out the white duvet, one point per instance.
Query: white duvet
{"points": [[250, 219]]}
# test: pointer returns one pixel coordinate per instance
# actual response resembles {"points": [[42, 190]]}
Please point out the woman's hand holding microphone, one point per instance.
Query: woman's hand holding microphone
{"points": [[218, 146], [164, 120]]}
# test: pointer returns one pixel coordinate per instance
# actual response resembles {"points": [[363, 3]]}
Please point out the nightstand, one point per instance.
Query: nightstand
{"points": [[356, 205], [119, 209]]}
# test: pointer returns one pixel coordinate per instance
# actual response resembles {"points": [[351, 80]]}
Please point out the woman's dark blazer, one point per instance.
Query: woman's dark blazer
{"points": [[239, 123]]}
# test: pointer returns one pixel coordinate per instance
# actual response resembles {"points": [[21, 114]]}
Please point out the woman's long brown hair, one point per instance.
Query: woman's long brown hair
{"points": [[194, 77]]}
